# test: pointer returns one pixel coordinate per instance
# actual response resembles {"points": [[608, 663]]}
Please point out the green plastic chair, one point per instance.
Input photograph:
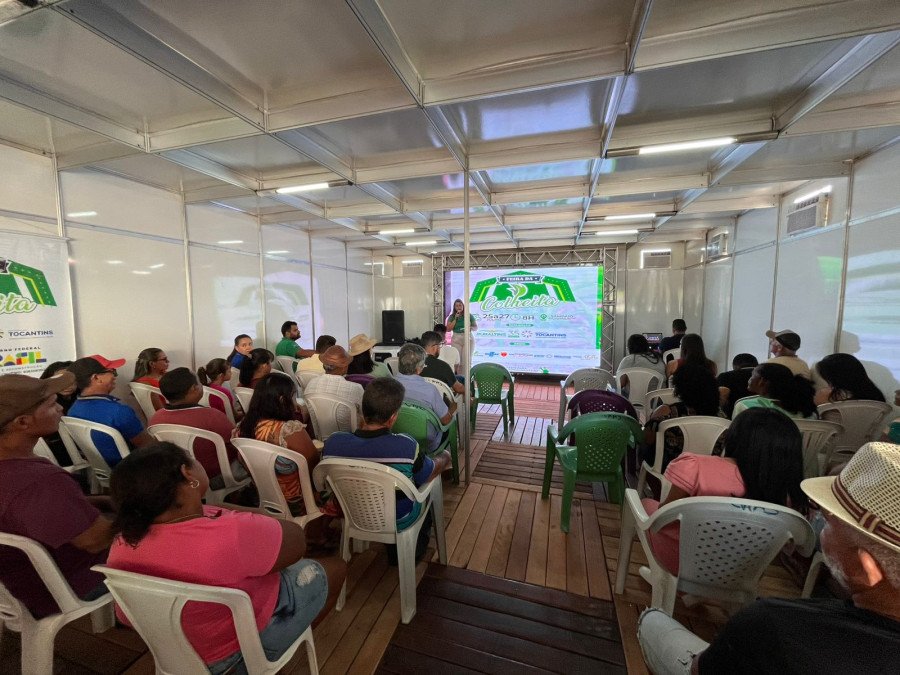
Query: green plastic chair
{"points": [[414, 420], [487, 380], [601, 441]]}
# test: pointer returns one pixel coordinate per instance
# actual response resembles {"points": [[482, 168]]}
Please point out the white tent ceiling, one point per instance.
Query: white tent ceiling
{"points": [[544, 103]]}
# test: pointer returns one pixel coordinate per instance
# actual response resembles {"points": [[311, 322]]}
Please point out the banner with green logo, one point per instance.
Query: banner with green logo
{"points": [[36, 320]]}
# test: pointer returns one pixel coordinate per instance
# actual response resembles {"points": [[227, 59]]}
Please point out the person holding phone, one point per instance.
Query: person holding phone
{"points": [[456, 323]]}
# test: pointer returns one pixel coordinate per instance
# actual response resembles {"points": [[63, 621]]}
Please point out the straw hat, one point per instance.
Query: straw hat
{"points": [[361, 343], [866, 494]]}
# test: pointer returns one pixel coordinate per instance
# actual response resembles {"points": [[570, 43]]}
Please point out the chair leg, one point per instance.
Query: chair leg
{"points": [[616, 489], [37, 647], [505, 413], [103, 619], [665, 589], [568, 491], [406, 562], [813, 575], [307, 637], [437, 515], [512, 411], [626, 537], [454, 463], [548, 470]]}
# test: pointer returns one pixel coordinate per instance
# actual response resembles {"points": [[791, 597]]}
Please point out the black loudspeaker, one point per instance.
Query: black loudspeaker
{"points": [[392, 327]]}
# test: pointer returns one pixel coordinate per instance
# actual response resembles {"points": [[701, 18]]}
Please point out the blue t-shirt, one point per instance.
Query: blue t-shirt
{"points": [[110, 411], [397, 451]]}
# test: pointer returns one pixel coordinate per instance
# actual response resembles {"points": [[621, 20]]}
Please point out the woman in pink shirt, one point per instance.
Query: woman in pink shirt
{"points": [[165, 530], [762, 459]]}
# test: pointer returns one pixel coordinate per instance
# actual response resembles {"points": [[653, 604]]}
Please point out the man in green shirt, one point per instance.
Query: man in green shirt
{"points": [[290, 333]]}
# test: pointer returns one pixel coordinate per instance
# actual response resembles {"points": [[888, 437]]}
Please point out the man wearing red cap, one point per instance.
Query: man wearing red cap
{"points": [[96, 379], [43, 502]]}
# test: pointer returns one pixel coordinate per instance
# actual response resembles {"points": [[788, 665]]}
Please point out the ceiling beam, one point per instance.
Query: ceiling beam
{"points": [[209, 167]]}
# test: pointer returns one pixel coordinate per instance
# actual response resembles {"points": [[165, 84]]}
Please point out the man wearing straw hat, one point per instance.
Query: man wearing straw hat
{"points": [[861, 545]]}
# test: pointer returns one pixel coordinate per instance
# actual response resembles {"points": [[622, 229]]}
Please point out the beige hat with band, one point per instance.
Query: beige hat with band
{"points": [[361, 343], [866, 494]]}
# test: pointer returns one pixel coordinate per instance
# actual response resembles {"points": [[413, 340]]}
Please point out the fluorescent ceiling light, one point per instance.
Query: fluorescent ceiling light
{"points": [[687, 145], [309, 187], [277, 252], [608, 233], [81, 214], [114, 262], [140, 272], [231, 241], [157, 266], [408, 230], [417, 261], [422, 242], [632, 216], [822, 191]]}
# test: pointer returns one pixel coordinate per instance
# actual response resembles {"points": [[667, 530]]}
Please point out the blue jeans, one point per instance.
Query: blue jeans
{"points": [[301, 596]]}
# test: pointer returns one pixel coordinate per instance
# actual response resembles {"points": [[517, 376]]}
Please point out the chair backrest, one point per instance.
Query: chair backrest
{"points": [[154, 606], [41, 449], [442, 387], [640, 381], [366, 492], [142, 393], [671, 354], [286, 363], [304, 377], [414, 420], [701, 432], [861, 421], [184, 437], [602, 440], [489, 379], [598, 400], [209, 392], [244, 395], [818, 444], [659, 397], [449, 355], [360, 379], [81, 433], [329, 413], [393, 364], [259, 458], [590, 378], [235, 380], [725, 544]]}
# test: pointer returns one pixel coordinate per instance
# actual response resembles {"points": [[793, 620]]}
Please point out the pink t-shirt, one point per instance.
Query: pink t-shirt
{"points": [[227, 548], [699, 476]]}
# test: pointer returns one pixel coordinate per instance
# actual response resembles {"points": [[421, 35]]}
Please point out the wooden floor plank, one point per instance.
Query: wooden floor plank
{"points": [[556, 547], [466, 543], [518, 552], [499, 555], [628, 616], [536, 571], [595, 559], [481, 551], [463, 511], [576, 569]]}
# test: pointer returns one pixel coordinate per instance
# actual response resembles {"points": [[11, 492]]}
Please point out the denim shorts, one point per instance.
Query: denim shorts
{"points": [[301, 596]]}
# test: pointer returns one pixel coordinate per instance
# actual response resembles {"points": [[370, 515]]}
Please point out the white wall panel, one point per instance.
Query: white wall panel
{"points": [[227, 300], [27, 225], [755, 228], [807, 291], [217, 226], [875, 184], [383, 299], [693, 298], [716, 305], [331, 295], [357, 259], [653, 298], [288, 298], [359, 298], [329, 252], [751, 304], [137, 301], [28, 183], [285, 242], [121, 204]]}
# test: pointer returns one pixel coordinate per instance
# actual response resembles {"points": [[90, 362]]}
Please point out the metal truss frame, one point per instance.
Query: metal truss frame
{"points": [[607, 256]]}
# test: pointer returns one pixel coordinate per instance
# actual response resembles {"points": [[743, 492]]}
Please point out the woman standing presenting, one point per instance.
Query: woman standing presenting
{"points": [[456, 323]]}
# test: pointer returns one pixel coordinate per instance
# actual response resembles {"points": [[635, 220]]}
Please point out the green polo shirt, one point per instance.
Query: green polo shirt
{"points": [[286, 347]]}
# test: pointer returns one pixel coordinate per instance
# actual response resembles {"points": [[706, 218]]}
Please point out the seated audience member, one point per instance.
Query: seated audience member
{"points": [[783, 346], [893, 434], [448, 354], [774, 386], [96, 379], [696, 388], [641, 356], [183, 393], [243, 345], [271, 418], [861, 543], [733, 383], [313, 363], [214, 375], [363, 364], [679, 328], [762, 459], [374, 442], [43, 502], [255, 366], [335, 361], [166, 531], [151, 364], [434, 367], [288, 346], [65, 398], [692, 351], [847, 380], [411, 361]]}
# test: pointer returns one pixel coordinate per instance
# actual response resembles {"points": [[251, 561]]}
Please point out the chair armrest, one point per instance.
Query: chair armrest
{"points": [[553, 433], [633, 503]]}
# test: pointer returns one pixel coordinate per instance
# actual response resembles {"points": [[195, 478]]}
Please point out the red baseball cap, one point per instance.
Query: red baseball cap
{"points": [[105, 362]]}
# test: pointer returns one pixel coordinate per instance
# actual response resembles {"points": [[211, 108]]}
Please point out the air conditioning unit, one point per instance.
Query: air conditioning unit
{"points": [[660, 259], [809, 214], [717, 247], [413, 268]]}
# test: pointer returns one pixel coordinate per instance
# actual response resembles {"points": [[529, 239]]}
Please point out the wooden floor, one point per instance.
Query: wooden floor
{"points": [[498, 526]]}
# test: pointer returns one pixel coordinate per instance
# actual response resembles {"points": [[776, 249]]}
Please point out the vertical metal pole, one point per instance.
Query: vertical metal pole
{"points": [[262, 283], [312, 287], [188, 284], [839, 329], [61, 231], [467, 398]]}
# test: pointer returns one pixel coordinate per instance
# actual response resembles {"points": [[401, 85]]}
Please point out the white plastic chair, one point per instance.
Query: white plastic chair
{"points": [[209, 392], [393, 364], [366, 492], [154, 606], [184, 437], [659, 397], [259, 458], [450, 355], [581, 379], [41, 449], [700, 433], [640, 381], [671, 355], [329, 413], [442, 388], [244, 394], [818, 444], [142, 393], [79, 432], [304, 377], [725, 546], [235, 380], [861, 420], [286, 363], [38, 635]]}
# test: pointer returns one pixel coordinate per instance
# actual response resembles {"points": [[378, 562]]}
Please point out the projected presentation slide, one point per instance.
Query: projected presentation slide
{"points": [[542, 320]]}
